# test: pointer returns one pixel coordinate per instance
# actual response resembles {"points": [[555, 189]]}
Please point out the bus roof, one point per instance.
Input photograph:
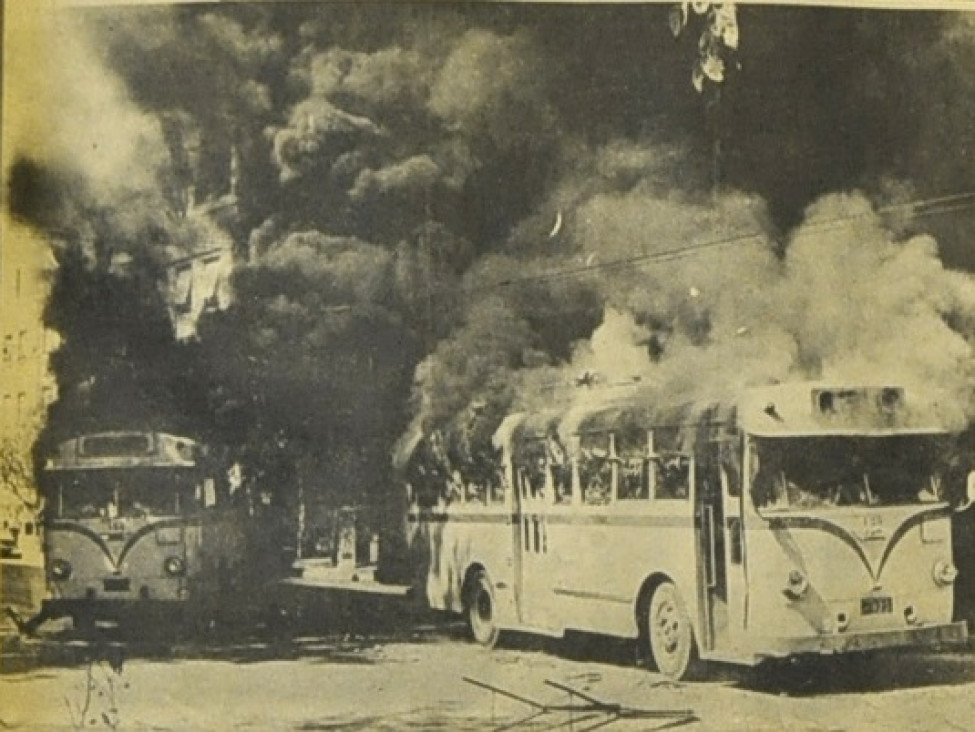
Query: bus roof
{"points": [[786, 410], [819, 408], [124, 449]]}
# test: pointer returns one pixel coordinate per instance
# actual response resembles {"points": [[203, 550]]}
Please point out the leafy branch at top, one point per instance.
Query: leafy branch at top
{"points": [[718, 41]]}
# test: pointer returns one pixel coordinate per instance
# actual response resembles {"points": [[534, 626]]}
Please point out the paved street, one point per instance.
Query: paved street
{"points": [[413, 678]]}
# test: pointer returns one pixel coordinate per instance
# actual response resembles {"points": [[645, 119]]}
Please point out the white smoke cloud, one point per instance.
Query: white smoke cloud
{"points": [[492, 85], [116, 146], [849, 303]]}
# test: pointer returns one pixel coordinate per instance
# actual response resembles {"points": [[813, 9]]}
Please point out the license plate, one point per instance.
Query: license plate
{"points": [[116, 584], [876, 605]]}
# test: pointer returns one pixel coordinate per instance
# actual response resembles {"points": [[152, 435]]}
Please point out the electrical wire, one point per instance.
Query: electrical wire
{"points": [[922, 208]]}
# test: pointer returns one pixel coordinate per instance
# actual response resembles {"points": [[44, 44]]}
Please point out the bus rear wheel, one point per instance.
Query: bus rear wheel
{"points": [[481, 611], [670, 634]]}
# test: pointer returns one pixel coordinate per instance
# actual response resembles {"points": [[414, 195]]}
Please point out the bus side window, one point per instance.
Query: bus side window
{"points": [[595, 469], [475, 491], [671, 468], [559, 468], [531, 468], [634, 465], [673, 476], [562, 482], [498, 485]]}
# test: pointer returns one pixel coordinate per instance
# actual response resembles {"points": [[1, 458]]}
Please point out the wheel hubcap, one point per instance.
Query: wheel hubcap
{"points": [[668, 628], [483, 607]]}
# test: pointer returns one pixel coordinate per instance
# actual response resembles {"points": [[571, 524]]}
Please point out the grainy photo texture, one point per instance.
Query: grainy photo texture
{"points": [[487, 366]]}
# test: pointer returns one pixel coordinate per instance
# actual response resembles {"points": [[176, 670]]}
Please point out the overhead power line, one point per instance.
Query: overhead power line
{"points": [[920, 208]]}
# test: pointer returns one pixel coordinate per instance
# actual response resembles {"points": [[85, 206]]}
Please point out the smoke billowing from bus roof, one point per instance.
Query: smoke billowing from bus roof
{"points": [[411, 164], [848, 302]]}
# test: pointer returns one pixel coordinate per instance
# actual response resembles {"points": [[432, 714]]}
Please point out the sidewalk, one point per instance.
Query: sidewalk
{"points": [[323, 574]]}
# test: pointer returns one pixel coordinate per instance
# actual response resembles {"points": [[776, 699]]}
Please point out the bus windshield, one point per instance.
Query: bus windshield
{"points": [[825, 472], [129, 493]]}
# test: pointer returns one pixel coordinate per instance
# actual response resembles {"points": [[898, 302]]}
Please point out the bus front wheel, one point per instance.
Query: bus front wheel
{"points": [[670, 634], [481, 611]]}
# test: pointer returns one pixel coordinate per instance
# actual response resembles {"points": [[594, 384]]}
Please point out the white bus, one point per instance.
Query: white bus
{"points": [[801, 518], [144, 527]]}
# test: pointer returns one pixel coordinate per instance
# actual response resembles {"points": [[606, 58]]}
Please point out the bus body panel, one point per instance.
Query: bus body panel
{"points": [[127, 564], [834, 568], [148, 526], [448, 543], [591, 594], [855, 584]]}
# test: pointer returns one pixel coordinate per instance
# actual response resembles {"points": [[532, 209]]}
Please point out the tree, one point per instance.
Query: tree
{"points": [[718, 40], [16, 471]]}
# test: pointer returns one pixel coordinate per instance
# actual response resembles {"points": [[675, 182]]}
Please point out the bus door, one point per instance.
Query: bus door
{"points": [[712, 541], [734, 535]]}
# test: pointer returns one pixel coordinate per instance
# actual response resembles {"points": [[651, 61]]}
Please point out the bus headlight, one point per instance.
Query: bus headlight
{"points": [[944, 572], [796, 585], [842, 621], [174, 566], [61, 569]]}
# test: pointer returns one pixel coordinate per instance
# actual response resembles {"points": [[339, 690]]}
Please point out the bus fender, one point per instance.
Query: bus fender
{"points": [[503, 593]]}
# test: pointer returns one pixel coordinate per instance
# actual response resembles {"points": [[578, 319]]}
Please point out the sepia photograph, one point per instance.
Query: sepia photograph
{"points": [[417, 365]]}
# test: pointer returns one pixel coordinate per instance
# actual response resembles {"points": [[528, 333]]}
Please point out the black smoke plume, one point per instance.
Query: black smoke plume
{"points": [[441, 211]]}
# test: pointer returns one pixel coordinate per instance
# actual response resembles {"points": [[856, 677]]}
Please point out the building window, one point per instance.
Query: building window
{"points": [[22, 345], [21, 405], [8, 347], [17, 279]]}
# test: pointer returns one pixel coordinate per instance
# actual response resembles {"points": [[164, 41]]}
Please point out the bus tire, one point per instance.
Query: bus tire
{"points": [[670, 634], [481, 610]]}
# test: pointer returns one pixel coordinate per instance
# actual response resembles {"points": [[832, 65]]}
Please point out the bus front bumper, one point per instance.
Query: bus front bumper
{"points": [[925, 635]]}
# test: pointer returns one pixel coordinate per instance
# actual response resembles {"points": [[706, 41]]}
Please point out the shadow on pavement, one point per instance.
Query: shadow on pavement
{"points": [[353, 628], [304, 625], [857, 673]]}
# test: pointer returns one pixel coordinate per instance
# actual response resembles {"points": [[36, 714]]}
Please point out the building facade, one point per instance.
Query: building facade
{"points": [[27, 387], [26, 383]]}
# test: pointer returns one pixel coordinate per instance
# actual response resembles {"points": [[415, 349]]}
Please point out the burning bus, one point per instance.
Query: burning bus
{"points": [[146, 527], [795, 518]]}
